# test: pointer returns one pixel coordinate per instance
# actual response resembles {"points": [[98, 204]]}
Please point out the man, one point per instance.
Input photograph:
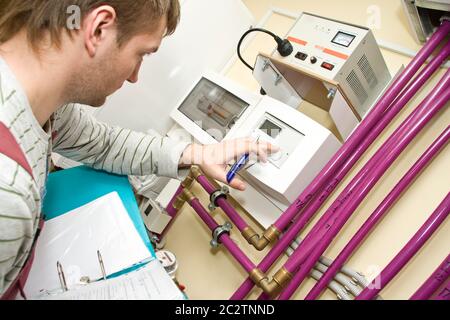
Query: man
{"points": [[46, 71]]}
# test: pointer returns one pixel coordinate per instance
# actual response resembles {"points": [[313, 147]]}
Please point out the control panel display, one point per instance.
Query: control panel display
{"points": [[343, 39], [270, 128]]}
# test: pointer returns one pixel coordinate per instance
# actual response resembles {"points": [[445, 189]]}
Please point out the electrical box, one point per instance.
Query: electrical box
{"points": [[212, 108], [305, 148], [329, 56], [216, 109]]}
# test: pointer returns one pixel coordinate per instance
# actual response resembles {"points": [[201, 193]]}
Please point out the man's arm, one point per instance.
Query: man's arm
{"points": [[16, 234], [82, 138]]}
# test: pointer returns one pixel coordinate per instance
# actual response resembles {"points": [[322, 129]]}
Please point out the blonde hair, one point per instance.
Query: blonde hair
{"points": [[41, 16]]}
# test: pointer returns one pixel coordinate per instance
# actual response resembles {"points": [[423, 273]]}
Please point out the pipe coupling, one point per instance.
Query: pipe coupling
{"points": [[272, 234], [282, 277], [196, 172], [178, 203], [185, 196], [248, 233], [257, 276], [188, 181]]}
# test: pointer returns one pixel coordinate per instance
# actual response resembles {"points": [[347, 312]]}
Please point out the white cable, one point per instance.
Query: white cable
{"points": [[348, 284], [333, 285], [339, 290], [357, 277]]}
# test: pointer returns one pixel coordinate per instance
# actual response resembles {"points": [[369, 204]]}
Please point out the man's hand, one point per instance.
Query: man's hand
{"points": [[213, 158]]}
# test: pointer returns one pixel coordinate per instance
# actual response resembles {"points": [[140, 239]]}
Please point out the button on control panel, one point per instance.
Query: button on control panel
{"points": [[302, 56]]}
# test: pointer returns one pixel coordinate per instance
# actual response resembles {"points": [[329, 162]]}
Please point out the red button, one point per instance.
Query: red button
{"points": [[327, 65]]}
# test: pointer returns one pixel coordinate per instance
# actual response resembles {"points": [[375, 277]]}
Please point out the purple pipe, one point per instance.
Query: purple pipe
{"points": [[399, 103], [316, 242], [223, 204], [379, 213], [409, 250], [364, 128], [443, 293], [433, 283], [302, 220], [171, 211], [287, 238], [225, 238]]}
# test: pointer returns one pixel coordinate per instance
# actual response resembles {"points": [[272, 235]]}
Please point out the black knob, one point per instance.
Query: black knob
{"points": [[313, 60]]}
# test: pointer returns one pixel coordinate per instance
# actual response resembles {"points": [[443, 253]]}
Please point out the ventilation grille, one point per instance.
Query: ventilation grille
{"points": [[357, 87], [367, 72]]}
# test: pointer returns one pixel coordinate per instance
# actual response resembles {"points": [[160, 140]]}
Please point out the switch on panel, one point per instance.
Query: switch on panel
{"points": [[328, 66]]}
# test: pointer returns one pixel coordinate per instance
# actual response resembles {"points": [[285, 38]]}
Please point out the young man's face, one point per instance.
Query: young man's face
{"points": [[112, 66]]}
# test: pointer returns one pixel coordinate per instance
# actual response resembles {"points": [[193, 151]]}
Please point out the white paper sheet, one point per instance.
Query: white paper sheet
{"points": [[148, 283], [74, 238]]}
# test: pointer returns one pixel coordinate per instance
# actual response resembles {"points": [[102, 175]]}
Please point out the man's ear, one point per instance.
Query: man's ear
{"points": [[98, 24]]}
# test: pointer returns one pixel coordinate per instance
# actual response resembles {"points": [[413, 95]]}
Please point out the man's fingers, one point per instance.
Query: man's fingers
{"points": [[262, 155], [238, 184], [219, 172], [247, 145], [263, 149]]}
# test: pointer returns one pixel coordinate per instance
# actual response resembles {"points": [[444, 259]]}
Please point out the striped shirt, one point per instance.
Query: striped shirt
{"points": [[72, 133]]}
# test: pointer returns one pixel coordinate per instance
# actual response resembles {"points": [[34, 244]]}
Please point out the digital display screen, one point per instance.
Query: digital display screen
{"points": [[270, 128], [148, 210], [343, 39]]}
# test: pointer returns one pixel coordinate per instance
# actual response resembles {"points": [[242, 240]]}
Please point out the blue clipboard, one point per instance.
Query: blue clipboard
{"points": [[72, 188]]}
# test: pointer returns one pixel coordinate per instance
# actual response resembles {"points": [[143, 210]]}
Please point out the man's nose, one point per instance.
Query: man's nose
{"points": [[135, 75]]}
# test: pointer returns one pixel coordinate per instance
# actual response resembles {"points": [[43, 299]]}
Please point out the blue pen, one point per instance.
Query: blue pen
{"points": [[237, 166]]}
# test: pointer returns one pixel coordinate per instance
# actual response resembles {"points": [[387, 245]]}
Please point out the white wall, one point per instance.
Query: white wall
{"points": [[205, 39]]}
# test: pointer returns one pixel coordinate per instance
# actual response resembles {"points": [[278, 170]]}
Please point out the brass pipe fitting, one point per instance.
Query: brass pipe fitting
{"points": [[253, 238], [248, 233], [282, 277], [270, 287], [178, 203], [272, 234], [258, 242], [196, 172], [188, 181], [274, 287], [257, 276], [185, 196]]}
